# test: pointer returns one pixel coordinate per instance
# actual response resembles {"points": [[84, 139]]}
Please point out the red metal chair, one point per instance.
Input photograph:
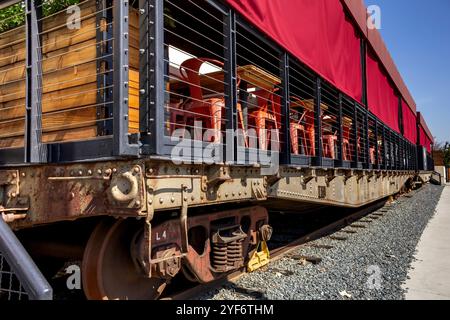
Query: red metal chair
{"points": [[346, 146], [197, 108], [266, 117], [303, 128], [330, 145]]}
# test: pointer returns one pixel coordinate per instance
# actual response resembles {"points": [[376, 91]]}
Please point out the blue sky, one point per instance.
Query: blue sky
{"points": [[417, 34]]}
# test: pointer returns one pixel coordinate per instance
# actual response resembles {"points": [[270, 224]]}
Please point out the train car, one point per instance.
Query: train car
{"points": [[146, 139]]}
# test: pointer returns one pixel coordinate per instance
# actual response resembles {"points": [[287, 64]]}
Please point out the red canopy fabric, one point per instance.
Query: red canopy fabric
{"points": [[317, 32], [424, 140], [409, 123], [382, 99]]}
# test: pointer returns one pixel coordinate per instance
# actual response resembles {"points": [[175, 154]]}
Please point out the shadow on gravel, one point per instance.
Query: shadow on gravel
{"points": [[255, 294]]}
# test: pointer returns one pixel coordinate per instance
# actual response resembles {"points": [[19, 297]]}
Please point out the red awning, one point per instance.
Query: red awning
{"points": [[425, 141], [317, 32], [358, 10], [409, 123], [382, 99], [424, 125]]}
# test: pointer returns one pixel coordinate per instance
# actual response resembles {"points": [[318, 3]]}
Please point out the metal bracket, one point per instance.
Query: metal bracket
{"points": [[217, 176], [183, 220]]}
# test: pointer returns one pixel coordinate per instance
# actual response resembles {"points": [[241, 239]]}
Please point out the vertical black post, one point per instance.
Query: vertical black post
{"points": [[340, 134], [153, 55], [356, 131], [384, 148], [398, 151], [377, 159], [367, 138], [318, 123], [121, 143], [285, 110], [104, 66], [231, 98], [364, 72], [144, 66], [35, 151]]}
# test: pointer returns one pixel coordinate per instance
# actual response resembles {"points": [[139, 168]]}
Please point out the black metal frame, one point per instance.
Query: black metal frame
{"points": [[117, 142], [23, 267], [104, 62]]}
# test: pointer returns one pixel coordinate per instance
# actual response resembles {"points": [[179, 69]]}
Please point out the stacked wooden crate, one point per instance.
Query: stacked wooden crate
{"points": [[69, 82]]}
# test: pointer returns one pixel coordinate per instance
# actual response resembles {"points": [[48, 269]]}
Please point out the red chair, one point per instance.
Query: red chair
{"points": [[197, 108], [304, 131], [330, 145], [266, 117], [346, 146]]}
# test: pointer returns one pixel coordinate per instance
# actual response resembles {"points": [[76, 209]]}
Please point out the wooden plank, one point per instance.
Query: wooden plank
{"points": [[12, 128], [12, 36], [74, 118], [12, 72], [70, 135], [69, 81], [57, 136], [59, 20], [70, 98], [56, 64], [16, 142], [12, 54]]}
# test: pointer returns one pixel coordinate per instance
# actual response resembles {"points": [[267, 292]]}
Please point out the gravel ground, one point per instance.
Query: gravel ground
{"points": [[372, 264]]}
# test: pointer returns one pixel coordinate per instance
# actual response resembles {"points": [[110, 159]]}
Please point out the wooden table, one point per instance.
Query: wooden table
{"points": [[253, 76]]}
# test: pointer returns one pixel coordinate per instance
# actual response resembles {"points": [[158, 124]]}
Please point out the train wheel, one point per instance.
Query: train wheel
{"points": [[109, 271]]}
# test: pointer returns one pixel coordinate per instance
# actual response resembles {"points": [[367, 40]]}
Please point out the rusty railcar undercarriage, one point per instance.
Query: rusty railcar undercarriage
{"points": [[149, 220]]}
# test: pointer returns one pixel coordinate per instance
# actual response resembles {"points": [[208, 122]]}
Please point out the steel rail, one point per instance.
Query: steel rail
{"points": [[280, 252]]}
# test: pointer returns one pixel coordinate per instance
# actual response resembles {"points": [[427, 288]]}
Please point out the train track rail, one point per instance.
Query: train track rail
{"points": [[283, 250]]}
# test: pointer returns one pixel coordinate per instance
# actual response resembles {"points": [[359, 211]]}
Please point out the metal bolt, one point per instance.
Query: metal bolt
{"points": [[150, 201], [138, 203], [137, 170], [89, 172], [80, 172], [172, 199], [23, 174], [99, 171], [114, 170], [161, 200], [150, 171]]}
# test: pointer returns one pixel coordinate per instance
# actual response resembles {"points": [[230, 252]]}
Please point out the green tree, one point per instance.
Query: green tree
{"points": [[446, 150], [14, 16]]}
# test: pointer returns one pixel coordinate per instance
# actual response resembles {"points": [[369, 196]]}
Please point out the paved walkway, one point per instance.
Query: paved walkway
{"points": [[430, 274]]}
